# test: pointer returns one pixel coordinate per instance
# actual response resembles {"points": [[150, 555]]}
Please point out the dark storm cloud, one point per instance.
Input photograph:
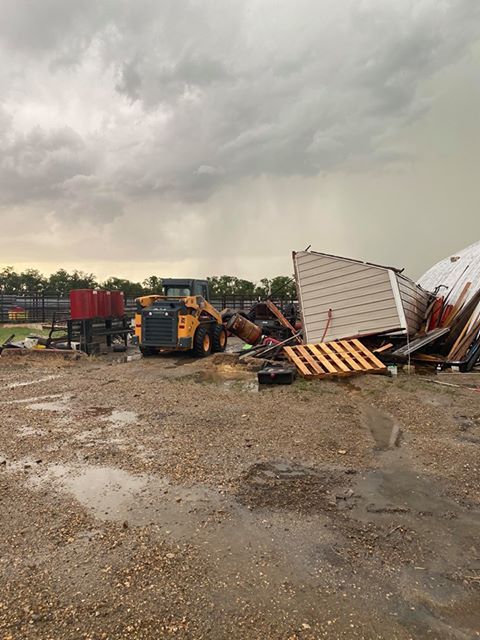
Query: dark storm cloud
{"points": [[124, 107], [246, 87], [283, 94]]}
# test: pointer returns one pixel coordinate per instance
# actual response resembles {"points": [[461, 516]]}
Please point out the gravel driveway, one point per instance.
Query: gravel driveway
{"points": [[171, 498]]}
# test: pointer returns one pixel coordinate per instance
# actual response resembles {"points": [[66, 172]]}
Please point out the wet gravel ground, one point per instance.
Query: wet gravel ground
{"points": [[167, 497]]}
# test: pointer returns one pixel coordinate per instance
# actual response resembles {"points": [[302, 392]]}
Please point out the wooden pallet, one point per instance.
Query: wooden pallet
{"points": [[338, 358]]}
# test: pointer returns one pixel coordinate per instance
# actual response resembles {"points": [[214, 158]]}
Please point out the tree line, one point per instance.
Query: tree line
{"points": [[61, 282]]}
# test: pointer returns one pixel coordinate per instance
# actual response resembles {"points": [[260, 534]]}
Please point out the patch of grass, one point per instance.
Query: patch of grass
{"points": [[371, 392], [20, 333], [315, 386], [303, 385]]}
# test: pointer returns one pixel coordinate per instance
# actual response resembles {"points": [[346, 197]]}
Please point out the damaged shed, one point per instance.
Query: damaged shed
{"points": [[450, 276], [341, 298]]}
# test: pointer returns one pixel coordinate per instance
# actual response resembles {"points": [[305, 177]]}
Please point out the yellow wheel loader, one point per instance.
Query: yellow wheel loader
{"points": [[180, 319]]}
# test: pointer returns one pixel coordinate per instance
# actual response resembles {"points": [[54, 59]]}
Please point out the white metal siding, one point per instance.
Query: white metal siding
{"points": [[414, 302], [360, 296]]}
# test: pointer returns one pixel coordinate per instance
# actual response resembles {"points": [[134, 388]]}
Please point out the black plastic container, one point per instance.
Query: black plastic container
{"points": [[276, 375]]}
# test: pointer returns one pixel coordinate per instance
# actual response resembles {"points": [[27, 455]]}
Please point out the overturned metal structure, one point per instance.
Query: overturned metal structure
{"points": [[342, 298]]}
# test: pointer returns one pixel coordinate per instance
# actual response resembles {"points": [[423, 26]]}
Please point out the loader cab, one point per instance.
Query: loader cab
{"points": [[182, 288]]}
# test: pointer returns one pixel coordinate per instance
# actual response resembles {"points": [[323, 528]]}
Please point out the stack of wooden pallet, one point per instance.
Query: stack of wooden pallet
{"points": [[337, 358]]}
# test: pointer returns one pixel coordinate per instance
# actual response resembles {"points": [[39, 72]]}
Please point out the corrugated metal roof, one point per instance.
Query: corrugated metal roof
{"points": [[454, 272]]}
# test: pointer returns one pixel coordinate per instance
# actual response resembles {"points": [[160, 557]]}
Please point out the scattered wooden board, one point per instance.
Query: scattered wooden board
{"points": [[337, 358], [456, 308], [281, 318], [422, 341], [423, 357], [386, 347]]}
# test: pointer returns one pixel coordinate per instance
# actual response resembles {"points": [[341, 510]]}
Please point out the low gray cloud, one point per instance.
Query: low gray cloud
{"points": [[35, 164]]}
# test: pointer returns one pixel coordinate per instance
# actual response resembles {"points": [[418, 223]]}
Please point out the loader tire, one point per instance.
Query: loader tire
{"points": [[219, 339], [202, 342], [148, 351]]}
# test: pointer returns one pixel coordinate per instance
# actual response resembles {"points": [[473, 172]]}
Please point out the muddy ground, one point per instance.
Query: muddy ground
{"points": [[164, 498]]}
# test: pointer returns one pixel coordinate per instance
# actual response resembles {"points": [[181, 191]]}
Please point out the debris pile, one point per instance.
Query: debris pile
{"points": [[263, 343], [450, 335], [38, 344], [433, 323]]}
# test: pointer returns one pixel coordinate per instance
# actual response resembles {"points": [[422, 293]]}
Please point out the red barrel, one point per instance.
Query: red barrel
{"points": [[118, 304], [104, 304], [83, 304], [108, 304]]}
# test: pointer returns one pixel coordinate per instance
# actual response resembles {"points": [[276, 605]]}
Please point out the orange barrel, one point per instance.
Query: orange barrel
{"points": [[83, 304], [244, 329], [118, 304]]}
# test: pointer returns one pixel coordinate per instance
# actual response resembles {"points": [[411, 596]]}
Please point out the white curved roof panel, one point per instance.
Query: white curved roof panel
{"points": [[453, 273]]}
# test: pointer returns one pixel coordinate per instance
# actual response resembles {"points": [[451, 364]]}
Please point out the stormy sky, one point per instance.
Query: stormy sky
{"points": [[200, 137]]}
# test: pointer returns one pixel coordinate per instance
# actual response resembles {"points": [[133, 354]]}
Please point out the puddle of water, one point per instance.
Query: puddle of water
{"points": [[284, 470], [60, 405], [237, 540], [15, 385], [106, 491], [30, 431], [216, 522], [98, 411], [405, 492], [112, 494], [287, 486], [33, 399], [384, 429], [229, 380], [121, 418], [93, 437], [284, 550]]}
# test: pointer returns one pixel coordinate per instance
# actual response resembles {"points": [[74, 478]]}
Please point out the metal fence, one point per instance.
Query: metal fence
{"points": [[41, 307], [33, 307]]}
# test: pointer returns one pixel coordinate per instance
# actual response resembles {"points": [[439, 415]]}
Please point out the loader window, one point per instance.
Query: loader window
{"points": [[177, 292]]}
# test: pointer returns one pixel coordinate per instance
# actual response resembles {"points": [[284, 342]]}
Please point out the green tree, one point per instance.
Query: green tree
{"points": [[219, 285], [277, 287], [283, 287], [59, 282], [262, 290], [230, 286], [10, 280], [82, 280], [128, 287], [32, 281], [62, 282], [244, 288], [152, 284]]}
